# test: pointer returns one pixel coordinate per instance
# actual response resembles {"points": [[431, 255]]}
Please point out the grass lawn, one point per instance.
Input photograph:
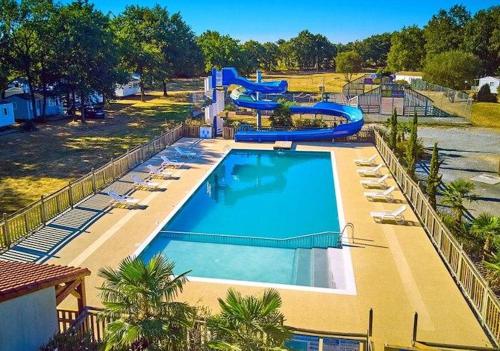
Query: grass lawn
{"points": [[486, 114], [37, 163], [310, 82]]}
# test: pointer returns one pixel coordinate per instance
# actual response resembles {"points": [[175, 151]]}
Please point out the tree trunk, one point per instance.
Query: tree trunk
{"points": [[44, 102], [141, 85], [32, 96], [82, 108], [165, 88]]}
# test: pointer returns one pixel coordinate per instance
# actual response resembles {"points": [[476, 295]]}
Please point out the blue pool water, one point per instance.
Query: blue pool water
{"points": [[257, 194]]}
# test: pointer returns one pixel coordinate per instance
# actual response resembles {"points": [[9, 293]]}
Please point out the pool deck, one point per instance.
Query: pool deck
{"points": [[397, 270]]}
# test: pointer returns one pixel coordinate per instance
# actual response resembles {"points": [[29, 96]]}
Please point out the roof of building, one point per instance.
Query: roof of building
{"points": [[494, 77], [21, 278], [25, 96]]}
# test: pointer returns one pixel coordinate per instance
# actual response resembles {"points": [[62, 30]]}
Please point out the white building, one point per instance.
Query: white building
{"points": [[408, 76], [492, 82], [130, 88], [6, 114]]}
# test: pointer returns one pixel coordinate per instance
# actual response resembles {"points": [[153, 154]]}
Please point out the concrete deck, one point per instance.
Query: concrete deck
{"points": [[396, 268]]}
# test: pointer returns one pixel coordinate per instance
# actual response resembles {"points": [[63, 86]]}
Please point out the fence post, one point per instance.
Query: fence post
{"points": [[112, 168], [26, 223], [484, 304], [70, 195], [370, 322], [459, 265], [415, 328], [6, 230], [43, 215], [94, 187]]}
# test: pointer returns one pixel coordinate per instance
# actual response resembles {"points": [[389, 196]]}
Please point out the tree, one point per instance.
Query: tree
{"points": [[281, 116], [181, 53], [139, 299], [455, 195], [486, 228], [452, 69], [445, 31], [374, 49], [86, 52], [482, 38], [142, 36], [411, 148], [254, 55], [407, 51], [393, 130], [286, 55], [220, 51], [484, 94], [270, 59], [312, 51], [249, 323], [348, 62], [24, 25], [434, 178]]}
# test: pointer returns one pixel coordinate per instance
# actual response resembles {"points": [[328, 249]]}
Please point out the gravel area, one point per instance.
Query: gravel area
{"points": [[468, 152]]}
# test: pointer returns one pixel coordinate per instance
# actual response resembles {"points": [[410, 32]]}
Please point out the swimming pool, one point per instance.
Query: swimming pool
{"points": [[259, 216]]}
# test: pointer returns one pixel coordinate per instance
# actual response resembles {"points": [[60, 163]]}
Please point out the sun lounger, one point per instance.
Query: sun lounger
{"points": [[385, 195], [185, 153], [371, 172], [158, 172], [122, 200], [141, 183], [394, 216], [166, 162], [366, 161], [375, 183]]}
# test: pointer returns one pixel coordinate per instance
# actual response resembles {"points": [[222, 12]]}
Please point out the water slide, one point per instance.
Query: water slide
{"points": [[244, 96]]}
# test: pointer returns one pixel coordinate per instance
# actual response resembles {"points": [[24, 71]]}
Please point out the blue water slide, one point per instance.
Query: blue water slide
{"points": [[353, 115], [230, 76]]}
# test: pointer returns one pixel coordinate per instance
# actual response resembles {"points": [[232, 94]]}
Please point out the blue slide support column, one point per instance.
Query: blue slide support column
{"points": [[259, 113]]}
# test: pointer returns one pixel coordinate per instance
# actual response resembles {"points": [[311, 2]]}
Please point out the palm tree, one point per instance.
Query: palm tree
{"points": [[455, 195], [486, 228], [249, 323], [138, 298]]}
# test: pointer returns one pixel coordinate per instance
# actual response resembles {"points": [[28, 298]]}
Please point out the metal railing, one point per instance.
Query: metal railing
{"points": [[26, 221], [468, 278], [324, 239]]}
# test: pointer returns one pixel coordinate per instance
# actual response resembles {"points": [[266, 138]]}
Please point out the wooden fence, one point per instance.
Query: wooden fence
{"points": [[24, 222], [90, 322], [483, 300]]}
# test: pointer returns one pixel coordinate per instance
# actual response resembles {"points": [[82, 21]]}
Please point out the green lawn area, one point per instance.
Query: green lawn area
{"points": [[41, 162], [486, 114]]}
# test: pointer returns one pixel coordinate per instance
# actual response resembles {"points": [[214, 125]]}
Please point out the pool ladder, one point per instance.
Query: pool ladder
{"points": [[351, 226]]}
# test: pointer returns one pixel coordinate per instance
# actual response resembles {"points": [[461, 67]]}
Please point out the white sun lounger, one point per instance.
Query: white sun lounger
{"points": [[185, 153], [122, 200], [373, 172], [166, 162], [158, 172], [381, 195], [141, 183], [375, 183], [366, 161], [394, 216]]}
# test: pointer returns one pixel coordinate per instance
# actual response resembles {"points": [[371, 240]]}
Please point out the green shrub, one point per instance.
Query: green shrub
{"points": [[304, 123], [484, 94], [71, 341], [282, 117]]}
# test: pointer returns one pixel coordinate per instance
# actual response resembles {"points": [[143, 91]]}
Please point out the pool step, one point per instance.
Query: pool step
{"points": [[302, 269], [311, 268]]}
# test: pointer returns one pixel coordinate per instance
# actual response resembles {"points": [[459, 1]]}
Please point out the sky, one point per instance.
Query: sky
{"points": [[270, 20]]}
